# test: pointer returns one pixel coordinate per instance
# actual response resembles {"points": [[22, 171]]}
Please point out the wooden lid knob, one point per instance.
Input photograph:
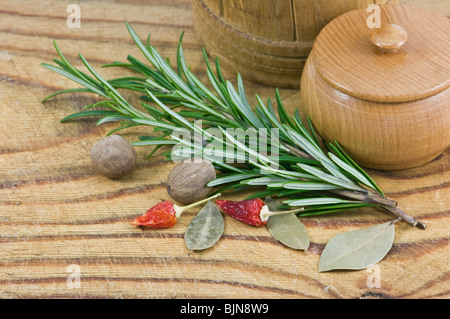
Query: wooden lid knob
{"points": [[346, 59], [389, 38]]}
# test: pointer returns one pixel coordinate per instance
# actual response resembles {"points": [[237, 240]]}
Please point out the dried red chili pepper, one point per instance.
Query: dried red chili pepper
{"points": [[165, 214], [162, 215], [247, 211], [250, 211]]}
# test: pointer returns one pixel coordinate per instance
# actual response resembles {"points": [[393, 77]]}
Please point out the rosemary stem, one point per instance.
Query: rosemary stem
{"points": [[367, 197], [376, 199], [384, 203], [409, 219]]}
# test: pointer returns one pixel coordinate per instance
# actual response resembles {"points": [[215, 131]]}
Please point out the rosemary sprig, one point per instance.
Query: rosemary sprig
{"points": [[320, 178]]}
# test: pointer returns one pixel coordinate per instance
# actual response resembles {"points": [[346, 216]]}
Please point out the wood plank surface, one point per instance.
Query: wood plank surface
{"points": [[59, 218]]}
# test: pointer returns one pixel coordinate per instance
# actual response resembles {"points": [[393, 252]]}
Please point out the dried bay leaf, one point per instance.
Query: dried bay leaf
{"points": [[205, 229], [358, 249], [286, 228]]}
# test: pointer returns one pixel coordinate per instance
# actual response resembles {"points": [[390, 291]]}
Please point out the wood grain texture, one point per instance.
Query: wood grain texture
{"points": [[56, 211], [258, 18]]}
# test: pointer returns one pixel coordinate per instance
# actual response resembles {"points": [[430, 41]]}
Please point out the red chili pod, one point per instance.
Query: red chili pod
{"points": [[251, 211], [247, 211], [165, 214], [162, 215]]}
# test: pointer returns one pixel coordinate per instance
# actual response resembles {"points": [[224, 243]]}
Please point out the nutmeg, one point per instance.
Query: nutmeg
{"points": [[186, 182], [113, 156]]}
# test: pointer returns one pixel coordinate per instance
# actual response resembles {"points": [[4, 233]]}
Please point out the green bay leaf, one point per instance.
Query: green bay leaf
{"points": [[286, 228], [205, 229], [358, 249]]}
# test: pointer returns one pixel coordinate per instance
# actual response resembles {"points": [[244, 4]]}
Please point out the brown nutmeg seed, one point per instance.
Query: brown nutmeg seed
{"points": [[186, 182], [113, 156]]}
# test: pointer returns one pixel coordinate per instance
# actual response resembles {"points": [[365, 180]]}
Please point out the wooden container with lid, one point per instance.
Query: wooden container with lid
{"points": [[266, 41], [383, 94]]}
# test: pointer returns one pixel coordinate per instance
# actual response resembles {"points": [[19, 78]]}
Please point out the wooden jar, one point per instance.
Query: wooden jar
{"points": [[266, 41], [386, 101]]}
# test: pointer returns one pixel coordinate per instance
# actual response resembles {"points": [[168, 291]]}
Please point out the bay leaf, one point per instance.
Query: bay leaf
{"points": [[205, 229], [358, 249], [286, 228]]}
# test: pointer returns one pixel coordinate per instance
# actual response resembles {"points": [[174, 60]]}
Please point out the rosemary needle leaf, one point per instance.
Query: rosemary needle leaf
{"points": [[306, 185], [263, 181], [229, 178], [330, 178], [77, 90], [316, 201], [155, 142], [245, 110], [87, 113], [352, 171], [155, 123], [358, 168], [113, 118], [75, 78]]}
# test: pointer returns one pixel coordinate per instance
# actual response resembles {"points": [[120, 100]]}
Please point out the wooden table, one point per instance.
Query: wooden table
{"points": [[60, 220]]}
